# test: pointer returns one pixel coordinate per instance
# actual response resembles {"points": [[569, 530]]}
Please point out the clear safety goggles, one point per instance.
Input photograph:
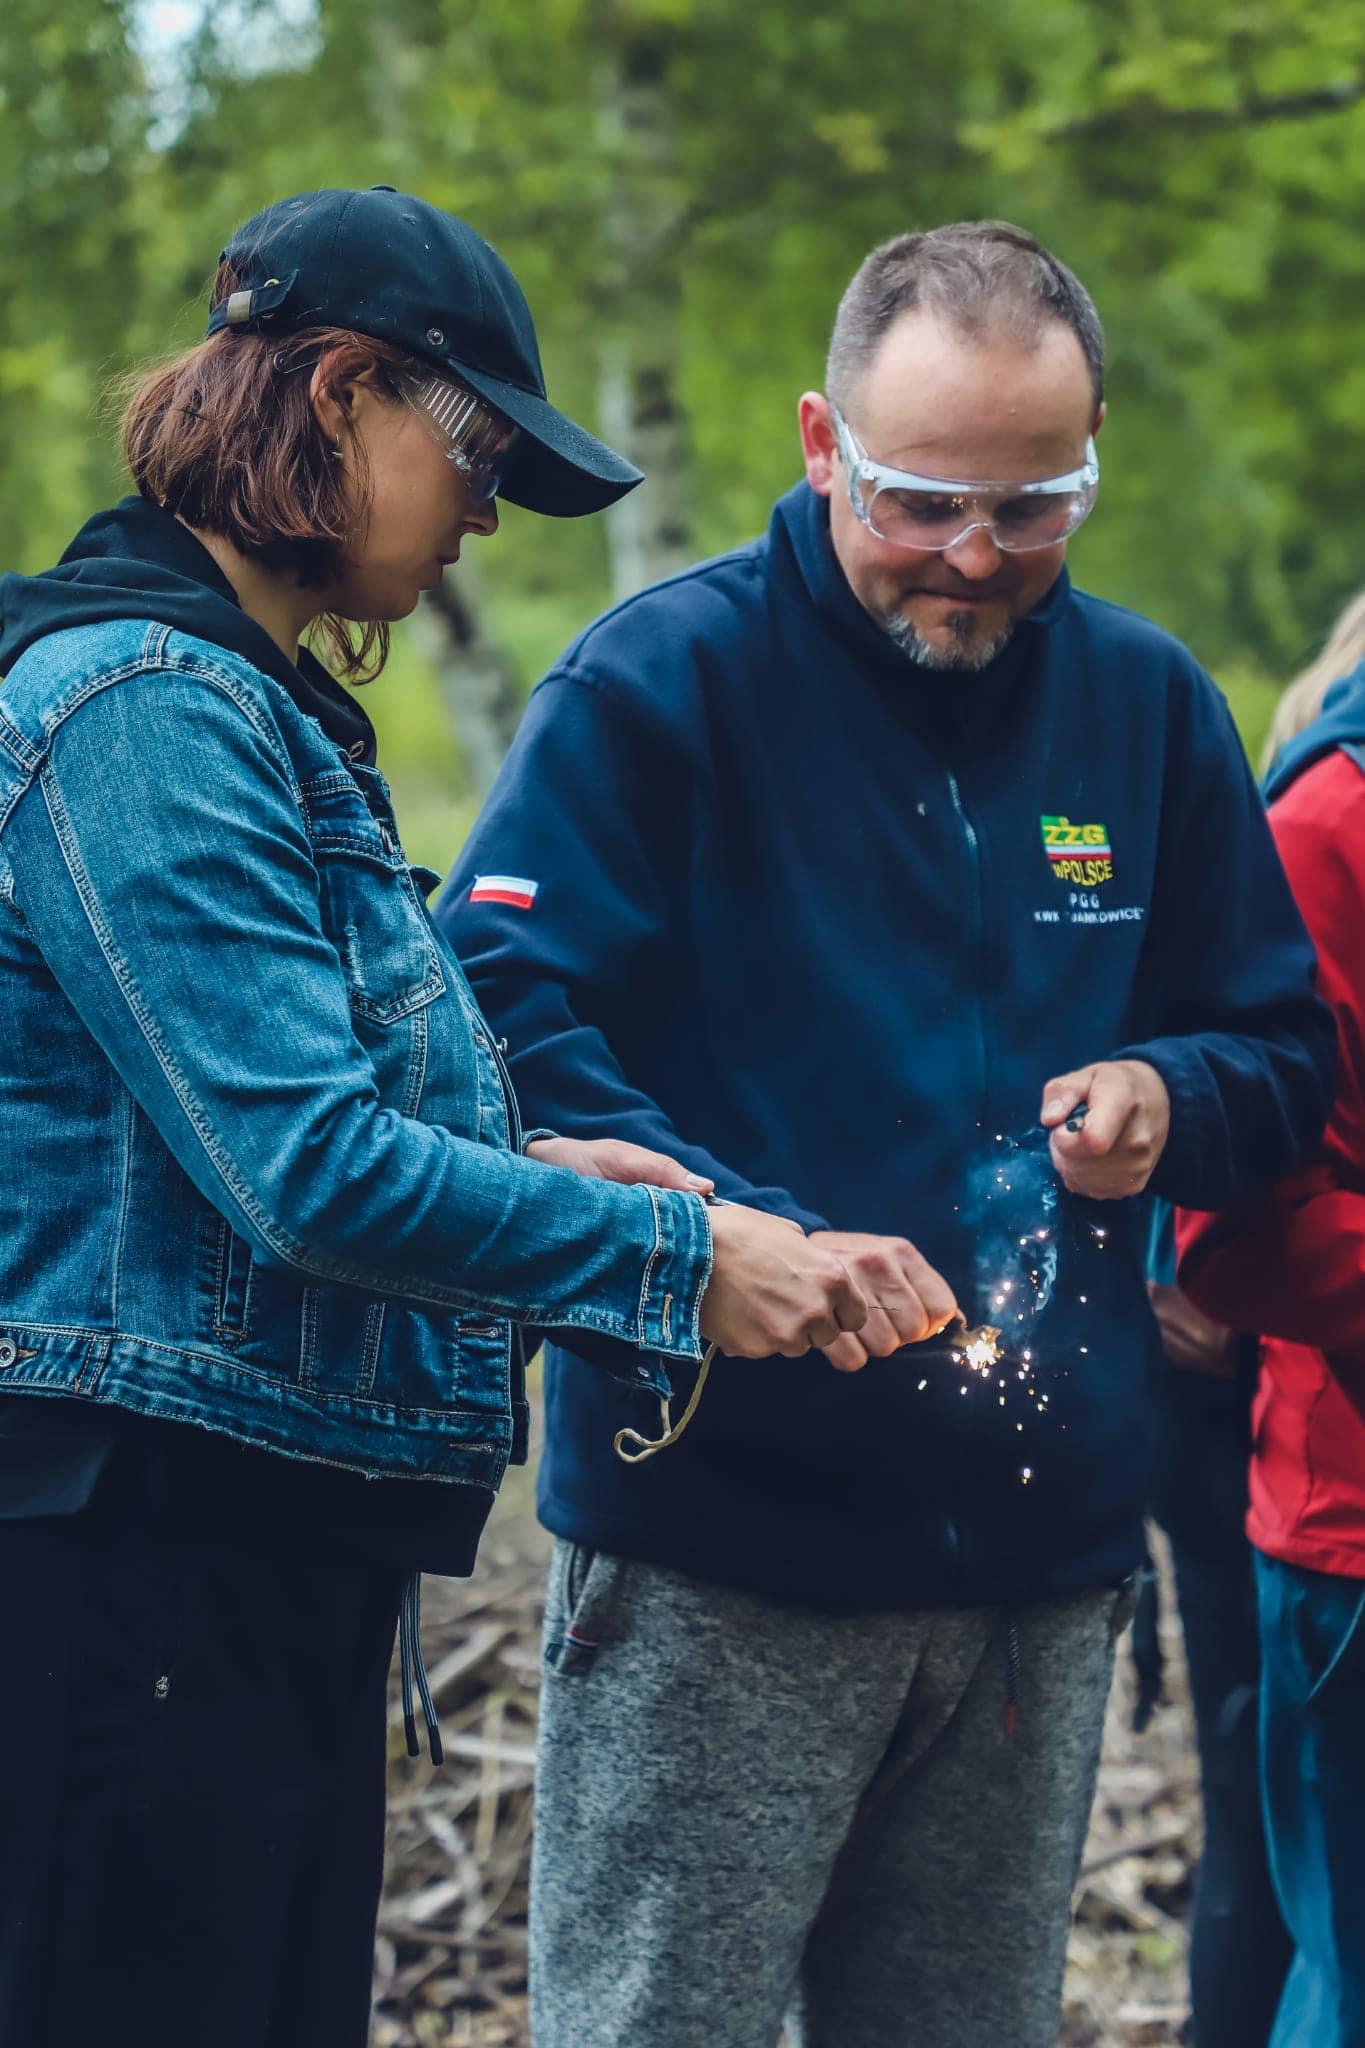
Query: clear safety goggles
{"points": [[466, 429], [934, 513]]}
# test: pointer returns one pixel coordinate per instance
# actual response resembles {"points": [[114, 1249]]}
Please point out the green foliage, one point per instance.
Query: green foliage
{"points": [[722, 170]]}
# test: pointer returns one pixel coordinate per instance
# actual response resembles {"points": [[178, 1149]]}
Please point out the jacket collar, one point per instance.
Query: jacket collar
{"points": [[800, 529]]}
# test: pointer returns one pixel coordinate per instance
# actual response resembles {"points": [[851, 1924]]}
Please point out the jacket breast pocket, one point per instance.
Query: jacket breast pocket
{"points": [[370, 908]]}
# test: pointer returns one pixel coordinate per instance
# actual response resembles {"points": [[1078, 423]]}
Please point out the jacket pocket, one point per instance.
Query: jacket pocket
{"points": [[257, 1309], [369, 905], [232, 1285]]}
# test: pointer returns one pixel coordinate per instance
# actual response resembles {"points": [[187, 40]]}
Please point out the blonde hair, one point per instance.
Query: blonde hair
{"points": [[1302, 699]]}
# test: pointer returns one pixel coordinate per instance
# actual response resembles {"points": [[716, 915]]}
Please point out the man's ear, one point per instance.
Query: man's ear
{"points": [[1099, 419], [817, 441]]}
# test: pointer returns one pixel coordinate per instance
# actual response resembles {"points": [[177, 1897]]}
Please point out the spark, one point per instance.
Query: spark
{"points": [[1025, 1474], [979, 1348], [922, 1385]]}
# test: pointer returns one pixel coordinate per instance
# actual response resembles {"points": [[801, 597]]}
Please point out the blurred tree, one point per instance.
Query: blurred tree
{"points": [[684, 188], [73, 141]]}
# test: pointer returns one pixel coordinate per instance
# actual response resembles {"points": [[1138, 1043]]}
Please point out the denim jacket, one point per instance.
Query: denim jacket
{"points": [[259, 1170]]}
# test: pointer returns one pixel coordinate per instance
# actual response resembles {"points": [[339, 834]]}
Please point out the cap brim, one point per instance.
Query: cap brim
{"points": [[558, 467]]}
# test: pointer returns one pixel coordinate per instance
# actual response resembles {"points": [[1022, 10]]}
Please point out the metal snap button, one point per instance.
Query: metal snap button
{"points": [[9, 1351], [436, 337]]}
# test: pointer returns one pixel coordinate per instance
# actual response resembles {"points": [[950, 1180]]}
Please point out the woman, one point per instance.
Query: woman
{"points": [[1291, 1268], [264, 1229]]}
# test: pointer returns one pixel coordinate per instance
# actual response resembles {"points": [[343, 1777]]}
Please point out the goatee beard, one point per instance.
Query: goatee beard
{"points": [[961, 653]]}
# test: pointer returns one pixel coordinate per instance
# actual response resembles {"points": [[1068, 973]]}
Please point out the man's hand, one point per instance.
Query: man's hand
{"points": [[772, 1288], [907, 1300], [1188, 1337], [615, 1159], [1128, 1116]]}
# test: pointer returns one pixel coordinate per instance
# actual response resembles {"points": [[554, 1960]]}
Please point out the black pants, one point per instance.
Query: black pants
{"points": [[192, 1744], [1239, 1950]]}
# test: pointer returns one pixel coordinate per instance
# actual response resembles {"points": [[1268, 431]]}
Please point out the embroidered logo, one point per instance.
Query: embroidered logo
{"points": [[513, 889], [1079, 855]]}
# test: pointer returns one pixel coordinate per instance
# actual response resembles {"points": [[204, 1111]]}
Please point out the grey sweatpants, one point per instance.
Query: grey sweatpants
{"points": [[749, 1810]]}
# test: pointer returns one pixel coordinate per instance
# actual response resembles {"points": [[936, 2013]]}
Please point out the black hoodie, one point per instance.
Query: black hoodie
{"points": [[137, 561]]}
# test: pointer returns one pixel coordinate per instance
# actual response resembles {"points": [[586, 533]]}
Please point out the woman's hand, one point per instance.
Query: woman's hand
{"points": [[772, 1288], [616, 1159]]}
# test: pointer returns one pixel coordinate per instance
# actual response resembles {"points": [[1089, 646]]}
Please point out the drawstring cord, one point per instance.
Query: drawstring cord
{"points": [[644, 1446], [1013, 1665], [411, 1665]]}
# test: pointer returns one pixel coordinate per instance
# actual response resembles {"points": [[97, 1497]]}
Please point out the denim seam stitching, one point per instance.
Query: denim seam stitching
{"points": [[105, 1342], [223, 680], [704, 1278], [308, 1339], [19, 746], [652, 1261], [121, 1222]]}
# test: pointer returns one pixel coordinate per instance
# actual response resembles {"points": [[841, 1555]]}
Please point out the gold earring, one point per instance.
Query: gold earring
{"points": [[335, 452]]}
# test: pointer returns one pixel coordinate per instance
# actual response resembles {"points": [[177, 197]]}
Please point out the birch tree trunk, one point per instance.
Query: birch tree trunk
{"points": [[479, 684], [649, 532]]}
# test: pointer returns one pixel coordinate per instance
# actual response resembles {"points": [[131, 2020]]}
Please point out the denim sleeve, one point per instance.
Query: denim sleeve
{"points": [[1245, 1047], [161, 861], [598, 799]]}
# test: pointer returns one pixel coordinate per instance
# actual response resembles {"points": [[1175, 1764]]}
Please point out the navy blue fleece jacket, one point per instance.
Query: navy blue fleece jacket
{"points": [[760, 893]]}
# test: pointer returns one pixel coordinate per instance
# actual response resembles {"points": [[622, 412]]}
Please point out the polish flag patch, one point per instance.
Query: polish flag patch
{"points": [[513, 889]]}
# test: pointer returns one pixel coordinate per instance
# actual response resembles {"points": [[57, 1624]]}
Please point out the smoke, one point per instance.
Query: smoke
{"points": [[1011, 1206]]}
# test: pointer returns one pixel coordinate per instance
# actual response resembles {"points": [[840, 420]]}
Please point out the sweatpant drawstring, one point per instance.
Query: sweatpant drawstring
{"points": [[1013, 1665], [410, 1665]]}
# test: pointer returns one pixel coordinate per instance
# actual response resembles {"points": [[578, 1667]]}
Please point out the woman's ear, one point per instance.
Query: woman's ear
{"points": [[332, 403]]}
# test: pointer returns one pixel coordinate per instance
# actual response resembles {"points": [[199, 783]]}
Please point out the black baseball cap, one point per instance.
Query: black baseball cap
{"points": [[385, 264]]}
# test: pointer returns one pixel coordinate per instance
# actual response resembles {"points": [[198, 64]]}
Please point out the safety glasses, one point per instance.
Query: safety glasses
{"points": [[933, 513], [467, 430]]}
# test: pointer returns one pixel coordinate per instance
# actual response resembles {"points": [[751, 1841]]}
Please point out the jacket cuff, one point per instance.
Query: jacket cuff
{"points": [[533, 1137], [675, 1277], [1191, 1150]]}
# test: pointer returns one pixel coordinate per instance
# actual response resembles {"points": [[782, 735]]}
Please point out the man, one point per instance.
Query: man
{"points": [[849, 868]]}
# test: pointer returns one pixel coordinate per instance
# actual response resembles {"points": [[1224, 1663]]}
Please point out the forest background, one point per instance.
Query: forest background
{"points": [[684, 187]]}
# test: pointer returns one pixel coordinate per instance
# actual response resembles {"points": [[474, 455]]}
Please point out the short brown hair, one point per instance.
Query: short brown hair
{"points": [[225, 436], [971, 274]]}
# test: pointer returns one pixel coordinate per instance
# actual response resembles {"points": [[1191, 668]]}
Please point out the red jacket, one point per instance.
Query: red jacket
{"points": [[1290, 1266]]}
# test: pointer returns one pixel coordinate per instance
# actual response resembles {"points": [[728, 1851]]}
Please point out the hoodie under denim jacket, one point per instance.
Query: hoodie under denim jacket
{"points": [[262, 1165]]}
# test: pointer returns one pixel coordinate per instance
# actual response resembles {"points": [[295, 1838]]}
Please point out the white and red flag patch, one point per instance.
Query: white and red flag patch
{"points": [[513, 889]]}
